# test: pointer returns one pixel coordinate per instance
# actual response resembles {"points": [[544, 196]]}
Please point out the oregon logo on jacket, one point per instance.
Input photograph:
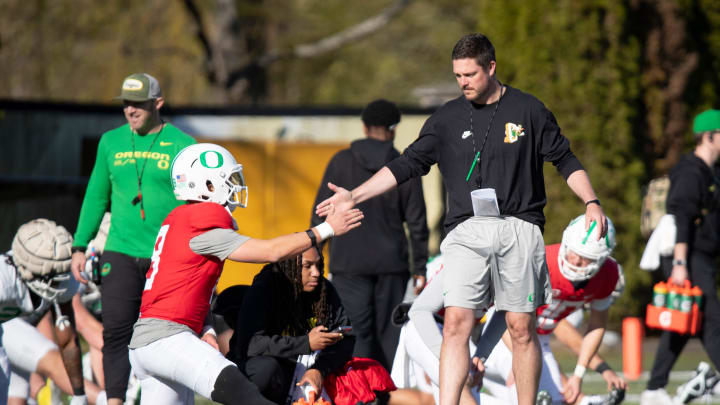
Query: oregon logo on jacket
{"points": [[512, 132]]}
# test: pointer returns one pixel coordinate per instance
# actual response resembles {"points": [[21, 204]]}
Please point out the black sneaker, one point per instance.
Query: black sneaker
{"points": [[697, 385], [615, 397], [711, 382], [543, 398]]}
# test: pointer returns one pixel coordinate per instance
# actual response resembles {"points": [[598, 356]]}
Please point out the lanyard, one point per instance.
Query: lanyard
{"points": [[476, 158], [139, 173]]}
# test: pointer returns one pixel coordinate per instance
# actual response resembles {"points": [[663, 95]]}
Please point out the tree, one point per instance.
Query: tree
{"points": [[238, 58]]}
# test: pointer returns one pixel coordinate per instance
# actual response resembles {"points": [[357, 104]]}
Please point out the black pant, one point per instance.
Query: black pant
{"points": [[122, 287], [369, 301], [702, 271], [272, 375]]}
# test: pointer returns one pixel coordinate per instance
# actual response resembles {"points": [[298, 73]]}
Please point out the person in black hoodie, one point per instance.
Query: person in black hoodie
{"points": [[694, 200], [370, 266], [290, 310]]}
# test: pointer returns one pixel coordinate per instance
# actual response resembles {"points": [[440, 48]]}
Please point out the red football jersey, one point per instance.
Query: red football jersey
{"points": [[566, 298], [180, 282]]}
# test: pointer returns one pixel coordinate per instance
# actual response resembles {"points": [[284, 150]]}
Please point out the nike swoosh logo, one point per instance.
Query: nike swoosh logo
{"points": [[466, 134], [165, 143]]}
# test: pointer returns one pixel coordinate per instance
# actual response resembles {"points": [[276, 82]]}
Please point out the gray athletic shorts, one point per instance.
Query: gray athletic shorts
{"points": [[495, 259]]}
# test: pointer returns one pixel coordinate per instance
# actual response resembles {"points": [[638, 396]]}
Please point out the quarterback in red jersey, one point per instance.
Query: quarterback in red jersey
{"points": [[581, 273], [173, 348]]}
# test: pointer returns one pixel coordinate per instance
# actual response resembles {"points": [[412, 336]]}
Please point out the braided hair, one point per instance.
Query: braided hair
{"points": [[291, 307]]}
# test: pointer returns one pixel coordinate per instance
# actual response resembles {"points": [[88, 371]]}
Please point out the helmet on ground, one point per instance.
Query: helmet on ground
{"points": [[585, 243], [208, 172], [41, 252]]}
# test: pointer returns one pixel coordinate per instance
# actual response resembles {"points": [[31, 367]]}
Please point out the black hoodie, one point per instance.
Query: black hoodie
{"points": [[694, 200], [379, 245]]}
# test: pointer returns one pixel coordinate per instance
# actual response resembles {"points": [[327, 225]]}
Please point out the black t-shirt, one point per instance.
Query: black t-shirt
{"points": [[524, 134]]}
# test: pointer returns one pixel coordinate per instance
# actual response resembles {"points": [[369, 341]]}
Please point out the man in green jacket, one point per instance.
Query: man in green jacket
{"points": [[131, 177]]}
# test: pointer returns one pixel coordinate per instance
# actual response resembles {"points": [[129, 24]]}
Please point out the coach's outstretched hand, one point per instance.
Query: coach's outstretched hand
{"points": [[342, 217], [341, 197]]}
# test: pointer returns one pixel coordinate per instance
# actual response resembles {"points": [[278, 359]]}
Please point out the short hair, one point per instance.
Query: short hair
{"points": [[381, 113], [476, 46]]}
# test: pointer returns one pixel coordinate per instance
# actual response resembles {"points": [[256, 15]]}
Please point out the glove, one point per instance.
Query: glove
{"points": [[400, 314]]}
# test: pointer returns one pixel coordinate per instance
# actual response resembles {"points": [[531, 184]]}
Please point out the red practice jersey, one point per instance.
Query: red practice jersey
{"points": [[180, 282], [566, 298]]}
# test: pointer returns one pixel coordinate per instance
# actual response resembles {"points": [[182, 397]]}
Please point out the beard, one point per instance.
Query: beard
{"points": [[482, 95]]}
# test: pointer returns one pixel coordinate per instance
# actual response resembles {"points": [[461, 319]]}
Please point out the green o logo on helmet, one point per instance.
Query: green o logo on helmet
{"points": [[204, 159]]}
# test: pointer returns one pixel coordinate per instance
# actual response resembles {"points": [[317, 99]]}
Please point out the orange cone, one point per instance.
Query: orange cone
{"points": [[632, 332]]}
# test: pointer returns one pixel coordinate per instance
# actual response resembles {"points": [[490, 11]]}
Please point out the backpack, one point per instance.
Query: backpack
{"points": [[653, 204]]}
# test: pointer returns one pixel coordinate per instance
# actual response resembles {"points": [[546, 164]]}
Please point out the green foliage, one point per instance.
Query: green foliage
{"points": [[81, 50]]}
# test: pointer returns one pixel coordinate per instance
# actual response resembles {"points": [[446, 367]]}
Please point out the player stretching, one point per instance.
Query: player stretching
{"points": [[33, 277], [171, 350], [581, 272]]}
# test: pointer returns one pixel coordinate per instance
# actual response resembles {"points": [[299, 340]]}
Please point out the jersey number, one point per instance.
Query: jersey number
{"points": [[155, 266]]}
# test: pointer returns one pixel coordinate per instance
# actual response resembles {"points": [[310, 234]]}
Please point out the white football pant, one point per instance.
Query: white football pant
{"points": [[173, 368], [422, 362], [498, 368], [25, 346]]}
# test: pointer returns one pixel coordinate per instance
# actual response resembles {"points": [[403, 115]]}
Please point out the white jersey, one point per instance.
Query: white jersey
{"points": [[14, 301], [14, 294]]}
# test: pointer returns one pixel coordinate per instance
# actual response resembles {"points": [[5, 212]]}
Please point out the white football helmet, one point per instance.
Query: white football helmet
{"points": [[41, 254], [585, 243], [208, 172]]}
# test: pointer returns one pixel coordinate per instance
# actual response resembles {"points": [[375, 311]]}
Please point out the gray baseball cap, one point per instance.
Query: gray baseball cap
{"points": [[139, 87]]}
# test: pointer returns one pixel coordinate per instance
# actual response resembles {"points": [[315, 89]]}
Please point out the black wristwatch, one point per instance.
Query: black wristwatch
{"points": [[679, 262], [311, 235], [595, 201], [78, 249]]}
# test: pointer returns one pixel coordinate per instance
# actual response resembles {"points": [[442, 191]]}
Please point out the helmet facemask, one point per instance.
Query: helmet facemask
{"points": [[51, 287], [578, 272], [238, 191]]}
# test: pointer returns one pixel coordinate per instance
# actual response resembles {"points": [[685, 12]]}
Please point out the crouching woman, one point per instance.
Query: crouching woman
{"points": [[289, 311]]}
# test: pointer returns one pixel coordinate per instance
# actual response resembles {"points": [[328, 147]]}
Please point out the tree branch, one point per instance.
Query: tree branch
{"points": [[356, 32], [194, 12], [323, 45]]}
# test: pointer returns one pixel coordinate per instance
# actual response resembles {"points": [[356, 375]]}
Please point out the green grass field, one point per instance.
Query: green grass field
{"points": [[691, 356]]}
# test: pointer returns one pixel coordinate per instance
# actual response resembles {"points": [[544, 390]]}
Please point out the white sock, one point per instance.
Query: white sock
{"points": [[101, 398]]}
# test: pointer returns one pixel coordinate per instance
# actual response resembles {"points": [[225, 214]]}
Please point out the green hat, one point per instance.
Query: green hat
{"points": [[708, 120], [139, 87]]}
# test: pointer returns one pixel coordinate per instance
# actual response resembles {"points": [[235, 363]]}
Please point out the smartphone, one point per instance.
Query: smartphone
{"points": [[342, 329]]}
